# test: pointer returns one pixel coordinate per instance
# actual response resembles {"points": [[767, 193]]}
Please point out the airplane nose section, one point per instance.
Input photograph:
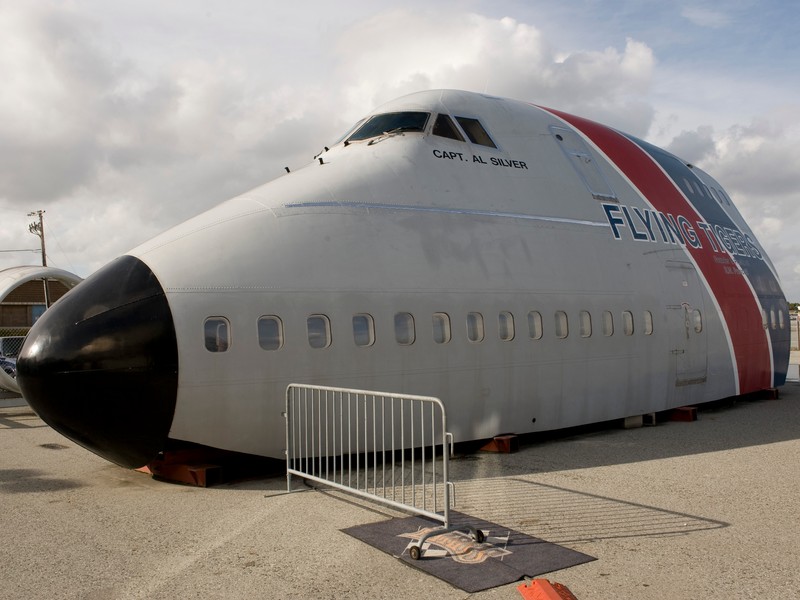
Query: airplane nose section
{"points": [[101, 365]]}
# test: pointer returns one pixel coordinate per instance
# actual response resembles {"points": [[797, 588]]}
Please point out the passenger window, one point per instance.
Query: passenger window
{"points": [[475, 330], [781, 320], [697, 318], [270, 333], [772, 321], [586, 324], [404, 329], [390, 123], [319, 331], [562, 324], [444, 127], [764, 321], [441, 328], [648, 323], [505, 326], [535, 325], [627, 322], [363, 330], [608, 323], [216, 331], [475, 132]]}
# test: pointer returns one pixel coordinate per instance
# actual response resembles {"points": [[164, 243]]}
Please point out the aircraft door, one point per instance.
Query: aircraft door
{"points": [[686, 315]]}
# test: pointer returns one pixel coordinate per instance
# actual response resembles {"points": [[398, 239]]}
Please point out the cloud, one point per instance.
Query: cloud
{"points": [[377, 62], [52, 78], [88, 131], [706, 17], [82, 116], [501, 56], [694, 146], [761, 158]]}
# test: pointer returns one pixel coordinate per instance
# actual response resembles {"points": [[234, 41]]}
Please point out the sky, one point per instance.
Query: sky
{"points": [[122, 119]]}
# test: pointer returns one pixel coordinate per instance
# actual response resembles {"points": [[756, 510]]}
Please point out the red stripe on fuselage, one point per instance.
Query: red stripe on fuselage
{"points": [[740, 309]]}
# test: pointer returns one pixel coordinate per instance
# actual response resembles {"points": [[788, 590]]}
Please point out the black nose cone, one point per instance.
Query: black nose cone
{"points": [[101, 365]]}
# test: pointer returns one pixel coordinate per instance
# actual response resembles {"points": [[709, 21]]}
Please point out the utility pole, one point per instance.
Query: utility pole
{"points": [[37, 228]]}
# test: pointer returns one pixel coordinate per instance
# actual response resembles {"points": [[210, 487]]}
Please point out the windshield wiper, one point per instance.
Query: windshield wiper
{"points": [[392, 132]]}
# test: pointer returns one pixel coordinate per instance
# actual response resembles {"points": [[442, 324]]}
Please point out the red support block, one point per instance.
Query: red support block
{"points": [[504, 444], [542, 589], [684, 413]]}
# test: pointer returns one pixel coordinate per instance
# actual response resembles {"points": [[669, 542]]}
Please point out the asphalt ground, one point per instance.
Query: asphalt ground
{"points": [[707, 509]]}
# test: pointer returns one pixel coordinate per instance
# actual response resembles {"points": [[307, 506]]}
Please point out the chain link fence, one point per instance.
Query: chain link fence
{"points": [[11, 339]]}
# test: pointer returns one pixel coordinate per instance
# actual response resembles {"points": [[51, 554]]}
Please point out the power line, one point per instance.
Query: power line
{"points": [[52, 232]]}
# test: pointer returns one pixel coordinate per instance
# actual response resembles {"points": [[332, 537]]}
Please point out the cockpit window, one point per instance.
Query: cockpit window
{"points": [[444, 127], [475, 132], [391, 123], [348, 132]]}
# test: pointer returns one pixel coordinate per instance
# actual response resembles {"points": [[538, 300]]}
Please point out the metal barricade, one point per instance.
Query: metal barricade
{"points": [[390, 448]]}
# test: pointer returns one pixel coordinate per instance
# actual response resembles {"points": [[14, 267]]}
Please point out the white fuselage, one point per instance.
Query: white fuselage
{"points": [[577, 325]]}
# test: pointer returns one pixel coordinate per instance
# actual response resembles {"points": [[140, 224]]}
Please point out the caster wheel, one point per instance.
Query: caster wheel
{"points": [[414, 552]]}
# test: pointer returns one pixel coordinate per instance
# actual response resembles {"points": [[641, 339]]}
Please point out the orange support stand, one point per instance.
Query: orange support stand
{"points": [[542, 589], [686, 414], [505, 444]]}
